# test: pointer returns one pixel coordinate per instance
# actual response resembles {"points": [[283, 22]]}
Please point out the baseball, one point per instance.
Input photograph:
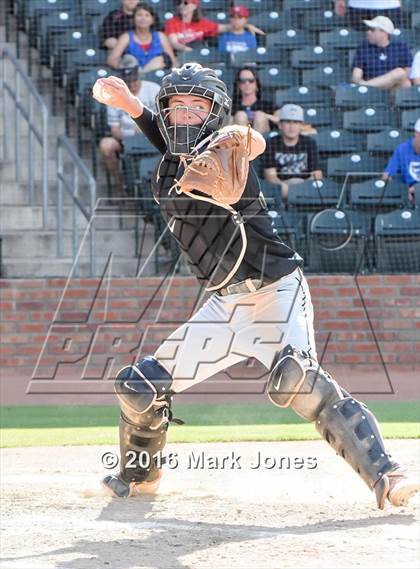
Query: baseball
{"points": [[100, 93]]}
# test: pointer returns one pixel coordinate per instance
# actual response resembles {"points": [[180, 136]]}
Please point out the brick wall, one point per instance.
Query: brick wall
{"points": [[46, 321]]}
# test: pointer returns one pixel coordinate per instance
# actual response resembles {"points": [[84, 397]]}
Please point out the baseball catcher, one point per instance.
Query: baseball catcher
{"points": [[260, 304]]}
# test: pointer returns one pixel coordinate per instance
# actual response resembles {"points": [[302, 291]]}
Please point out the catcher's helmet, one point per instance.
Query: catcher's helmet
{"points": [[191, 79]]}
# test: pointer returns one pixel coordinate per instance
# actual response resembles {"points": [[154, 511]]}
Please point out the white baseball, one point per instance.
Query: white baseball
{"points": [[100, 93]]}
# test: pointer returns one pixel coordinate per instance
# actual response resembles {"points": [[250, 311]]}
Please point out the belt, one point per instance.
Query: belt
{"points": [[248, 285]]}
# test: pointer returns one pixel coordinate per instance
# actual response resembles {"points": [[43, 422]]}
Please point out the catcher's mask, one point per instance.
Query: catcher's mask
{"points": [[191, 79]]}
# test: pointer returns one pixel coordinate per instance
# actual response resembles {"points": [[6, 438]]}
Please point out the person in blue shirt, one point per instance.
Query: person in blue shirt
{"points": [[239, 38], [380, 62], [151, 49], [406, 161]]}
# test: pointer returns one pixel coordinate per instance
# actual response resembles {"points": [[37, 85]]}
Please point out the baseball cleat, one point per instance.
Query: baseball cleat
{"points": [[116, 487], [401, 488]]}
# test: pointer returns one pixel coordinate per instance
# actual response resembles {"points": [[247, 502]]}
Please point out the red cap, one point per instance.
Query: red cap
{"points": [[239, 11]]}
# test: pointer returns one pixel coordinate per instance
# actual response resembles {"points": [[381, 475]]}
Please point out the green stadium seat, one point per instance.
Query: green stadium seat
{"points": [[98, 7], [272, 194], [321, 21], [397, 240], [262, 56], [338, 241], [290, 38], [357, 96], [306, 5], [355, 165], [304, 95], [321, 116], [409, 118], [326, 75], [290, 227], [207, 56], [378, 195], [408, 98], [313, 56], [339, 141], [313, 195], [274, 77], [386, 140], [271, 21], [342, 38], [369, 119]]}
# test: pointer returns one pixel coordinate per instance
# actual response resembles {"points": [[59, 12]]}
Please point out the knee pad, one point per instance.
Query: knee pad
{"points": [[299, 381], [144, 392], [142, 386]]}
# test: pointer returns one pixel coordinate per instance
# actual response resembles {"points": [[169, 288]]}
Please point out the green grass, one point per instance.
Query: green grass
{"points": [[88, 425]]}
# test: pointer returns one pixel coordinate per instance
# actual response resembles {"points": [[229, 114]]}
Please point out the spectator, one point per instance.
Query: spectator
{"points": [[415, 69], [188, 29], [248, 107], [291, 158], [151, 48], [121, 124], [406, 161], [359, 10], [380, 62], [238, 39], [117, 22]]}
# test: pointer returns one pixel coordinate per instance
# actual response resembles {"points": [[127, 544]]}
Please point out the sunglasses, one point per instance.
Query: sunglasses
{"points": [[242, 81]]}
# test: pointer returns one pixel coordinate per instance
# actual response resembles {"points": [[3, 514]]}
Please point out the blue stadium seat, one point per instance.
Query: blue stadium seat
{"points": [[321, 116], [271, 21], [98, 7], [207, 56], [272, 194], [290, 38], [409, 118], [262, 56], [321, 21], [369, 119], [357, 96], [397, 239], [274, 77]]}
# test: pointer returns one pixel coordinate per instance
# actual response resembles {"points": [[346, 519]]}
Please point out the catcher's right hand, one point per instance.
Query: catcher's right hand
{"points": [[114, 92]]}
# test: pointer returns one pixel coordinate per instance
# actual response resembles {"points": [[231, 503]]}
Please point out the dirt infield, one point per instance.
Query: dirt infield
{"points": [[309, 510]]}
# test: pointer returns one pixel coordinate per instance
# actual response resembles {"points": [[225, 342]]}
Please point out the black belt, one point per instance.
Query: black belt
{"points": [[248, 285]]}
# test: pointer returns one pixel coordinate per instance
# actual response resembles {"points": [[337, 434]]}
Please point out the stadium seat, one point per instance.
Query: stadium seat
{"points": [[207, 56], [326, 75], [397, 240], [357, 96], [290, 227], [321, 21], [304, 95], [410, 37], [356, 165], [262, 56], [289, 39], [341, 38], [139, 145], [369, 119], [337, 241], [408, 98], [339, 141], [275, 77], [321, 117], [54, 24], [386, 140], [409, 118], [271, 21], [313, 195], [272, 194], [378, 195], [98, 7], [313, 56], [305, 5], [415, 21]]}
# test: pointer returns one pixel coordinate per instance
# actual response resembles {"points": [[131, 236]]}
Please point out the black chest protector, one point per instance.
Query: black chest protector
{"points": [[223, 244]]}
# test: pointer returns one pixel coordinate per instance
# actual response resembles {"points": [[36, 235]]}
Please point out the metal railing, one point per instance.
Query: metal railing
{"points": [[29, 106], [70, 182]]}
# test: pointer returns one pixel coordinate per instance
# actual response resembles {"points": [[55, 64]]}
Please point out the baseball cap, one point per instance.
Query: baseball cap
{"points": [[128, 68], [239, 11], [380, 23], [291, 113], [417, 125]]}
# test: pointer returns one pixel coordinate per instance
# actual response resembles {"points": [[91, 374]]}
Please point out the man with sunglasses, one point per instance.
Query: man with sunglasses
{"points": [[260, 304]]}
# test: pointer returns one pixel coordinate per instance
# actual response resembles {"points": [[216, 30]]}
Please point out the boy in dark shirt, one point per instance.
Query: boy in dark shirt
{"points": [[380, 62], [291, 158]]}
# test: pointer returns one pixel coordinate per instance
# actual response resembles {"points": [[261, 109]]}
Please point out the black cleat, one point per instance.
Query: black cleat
{"points": [[115, 486]]}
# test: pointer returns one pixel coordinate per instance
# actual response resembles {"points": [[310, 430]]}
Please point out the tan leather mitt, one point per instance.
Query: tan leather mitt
{"points": [[221, 170]]}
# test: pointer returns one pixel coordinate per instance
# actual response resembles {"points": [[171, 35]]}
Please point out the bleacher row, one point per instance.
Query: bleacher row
{"points": [[304, 58]]}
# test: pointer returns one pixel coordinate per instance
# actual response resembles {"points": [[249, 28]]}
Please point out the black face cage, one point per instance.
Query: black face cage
{"points": [[181, 139]]}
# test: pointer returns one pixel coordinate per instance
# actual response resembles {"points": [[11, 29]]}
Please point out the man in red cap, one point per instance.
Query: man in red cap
{"points": [[238, 38]]}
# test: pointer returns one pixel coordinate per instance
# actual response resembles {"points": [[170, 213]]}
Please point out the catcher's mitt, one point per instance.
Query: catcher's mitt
{"points": [[221, 169]]}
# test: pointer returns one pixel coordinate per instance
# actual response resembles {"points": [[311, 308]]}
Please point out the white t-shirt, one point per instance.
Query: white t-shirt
{"points": [[147, 94], [374, 4], [415, 67]]}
